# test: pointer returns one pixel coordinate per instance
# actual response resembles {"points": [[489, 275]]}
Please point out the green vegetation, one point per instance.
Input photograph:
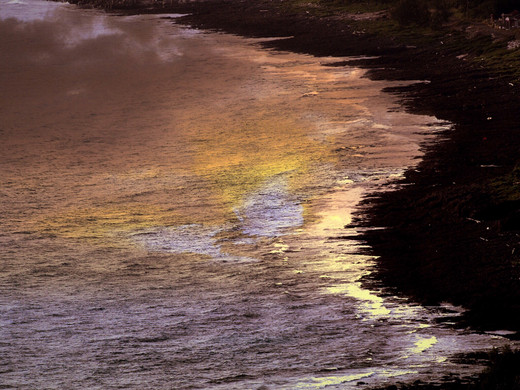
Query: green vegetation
{"points": [[507, 188], [461, 25], [409, 12]]}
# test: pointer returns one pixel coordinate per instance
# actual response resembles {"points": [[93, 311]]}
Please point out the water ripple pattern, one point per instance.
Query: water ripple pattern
{"points": [[177, 212]]}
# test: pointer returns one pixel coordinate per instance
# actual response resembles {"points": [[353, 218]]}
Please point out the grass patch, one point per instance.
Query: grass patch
{"points": [[502, 61], [404, 27], [507, 188]]}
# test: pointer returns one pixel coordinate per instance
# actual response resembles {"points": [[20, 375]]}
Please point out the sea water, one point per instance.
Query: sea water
{"points": [[176, 212]]}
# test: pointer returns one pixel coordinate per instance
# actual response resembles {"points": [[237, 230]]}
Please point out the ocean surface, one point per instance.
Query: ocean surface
{"points": [[176, 213]]}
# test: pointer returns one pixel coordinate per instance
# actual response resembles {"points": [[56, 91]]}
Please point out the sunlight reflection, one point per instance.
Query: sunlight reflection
{"points": [[243, 156], [280, 248], [103, 222], [270, 211], [340, 263], [373, 304], [424, 343], [320, 383], [335, 211]]}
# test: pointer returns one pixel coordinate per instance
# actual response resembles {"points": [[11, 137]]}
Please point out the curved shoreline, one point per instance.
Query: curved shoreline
{"points": [[452, 231]]}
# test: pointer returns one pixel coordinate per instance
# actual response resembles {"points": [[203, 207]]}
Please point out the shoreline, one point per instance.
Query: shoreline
{"points": [[454, 225], [452, 230]]}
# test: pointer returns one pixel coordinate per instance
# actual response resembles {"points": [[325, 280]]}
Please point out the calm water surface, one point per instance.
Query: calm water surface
{"points": [[174, 209]]}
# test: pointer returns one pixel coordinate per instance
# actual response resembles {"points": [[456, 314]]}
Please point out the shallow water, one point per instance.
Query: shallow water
{"points": [[176, 212]]}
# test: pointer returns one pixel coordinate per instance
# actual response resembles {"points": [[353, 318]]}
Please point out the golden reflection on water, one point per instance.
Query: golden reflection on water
{"points": [[424, 343], [335, 213], [220, 154], [221, 170], [174, 129], [372, 303], [323, 382], [240, 159], [104, 222]]}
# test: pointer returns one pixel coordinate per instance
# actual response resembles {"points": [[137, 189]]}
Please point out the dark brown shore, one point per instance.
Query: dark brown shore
{"points": [[452, 230]]}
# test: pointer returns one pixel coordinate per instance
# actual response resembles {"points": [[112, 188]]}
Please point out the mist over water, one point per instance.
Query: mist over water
{"points": [[174, 211]]}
